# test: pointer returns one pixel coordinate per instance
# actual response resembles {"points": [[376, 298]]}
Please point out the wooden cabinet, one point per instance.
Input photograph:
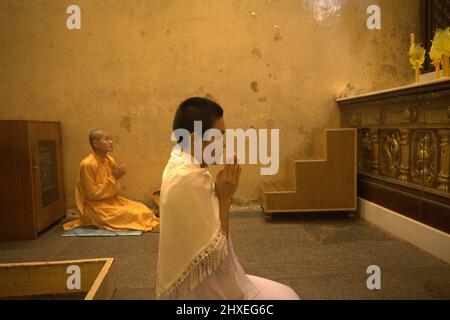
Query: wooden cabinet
{"points": [[31, 178]]}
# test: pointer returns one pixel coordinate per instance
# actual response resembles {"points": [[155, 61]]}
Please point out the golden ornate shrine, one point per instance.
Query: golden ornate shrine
{"points": [[403, 149]]}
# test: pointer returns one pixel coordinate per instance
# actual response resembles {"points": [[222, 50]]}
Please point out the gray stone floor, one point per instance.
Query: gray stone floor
{"points": [[321, 256]]}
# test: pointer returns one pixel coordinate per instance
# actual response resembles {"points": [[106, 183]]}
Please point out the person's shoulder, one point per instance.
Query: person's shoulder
{"points": [[88, 161], [190, 177]]}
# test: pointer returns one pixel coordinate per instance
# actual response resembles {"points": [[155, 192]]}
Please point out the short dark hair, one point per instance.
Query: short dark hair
{"points": [[196, 109]]}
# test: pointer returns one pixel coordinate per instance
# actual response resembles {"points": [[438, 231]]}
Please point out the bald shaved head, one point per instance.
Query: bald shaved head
{"points": [[96, 134]]}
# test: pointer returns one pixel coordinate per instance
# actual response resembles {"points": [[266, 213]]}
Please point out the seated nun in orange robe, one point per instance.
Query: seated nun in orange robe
{"points": [[97, 193]]}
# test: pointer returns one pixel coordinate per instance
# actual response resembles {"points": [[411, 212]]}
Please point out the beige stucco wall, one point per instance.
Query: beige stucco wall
{"points": [[134, 61]]}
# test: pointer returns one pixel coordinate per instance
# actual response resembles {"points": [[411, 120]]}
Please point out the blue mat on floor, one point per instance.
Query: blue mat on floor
{"points": [[84, 232]]}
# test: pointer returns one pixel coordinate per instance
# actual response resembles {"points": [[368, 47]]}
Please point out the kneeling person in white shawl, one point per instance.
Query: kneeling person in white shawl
{"points": [[196, 258]]}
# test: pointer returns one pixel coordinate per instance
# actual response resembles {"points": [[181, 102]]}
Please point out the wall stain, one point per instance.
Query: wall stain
{"points": [[125, 123], [257, 53], [277, 34], [263, 99], [270, 124], [254, 86], [200, 91]]}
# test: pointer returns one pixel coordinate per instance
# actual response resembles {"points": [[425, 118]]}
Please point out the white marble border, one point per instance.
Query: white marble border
{"points": [[427, 238]]}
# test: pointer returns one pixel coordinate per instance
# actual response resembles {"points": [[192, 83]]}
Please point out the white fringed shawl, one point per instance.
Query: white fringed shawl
{"points": [[191, 244]]}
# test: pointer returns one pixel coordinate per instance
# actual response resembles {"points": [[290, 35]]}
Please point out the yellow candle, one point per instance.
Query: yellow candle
{"points": [[413, 42], [437, 66]]}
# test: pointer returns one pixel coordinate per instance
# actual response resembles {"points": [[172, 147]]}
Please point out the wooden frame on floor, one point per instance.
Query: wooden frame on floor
{"points": [[48, 280]]}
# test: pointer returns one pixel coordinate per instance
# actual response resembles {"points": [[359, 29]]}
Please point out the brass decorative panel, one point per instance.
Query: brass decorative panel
{"points": [[403, 135], [390, 153], [424, 151]]}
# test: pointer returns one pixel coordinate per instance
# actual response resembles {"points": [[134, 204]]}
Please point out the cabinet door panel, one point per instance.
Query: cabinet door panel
{"points": [[46, 152]]}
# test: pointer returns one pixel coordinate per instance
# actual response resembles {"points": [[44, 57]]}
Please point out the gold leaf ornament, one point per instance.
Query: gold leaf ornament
{"points": [[417, 56], [446, 40], [435, 54], [441, 42]]}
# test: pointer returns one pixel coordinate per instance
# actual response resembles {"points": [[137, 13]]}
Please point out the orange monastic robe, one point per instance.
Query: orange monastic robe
{"points": [[99, 203]]}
